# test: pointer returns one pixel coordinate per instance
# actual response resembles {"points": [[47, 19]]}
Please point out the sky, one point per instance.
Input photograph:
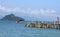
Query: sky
{"points": [[39, 10]]}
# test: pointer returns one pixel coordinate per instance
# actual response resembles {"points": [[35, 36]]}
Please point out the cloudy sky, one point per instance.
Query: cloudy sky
{"points": [[31, 9]]}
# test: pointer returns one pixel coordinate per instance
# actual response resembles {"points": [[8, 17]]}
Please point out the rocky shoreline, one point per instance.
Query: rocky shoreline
{"points": [[41, 25]]}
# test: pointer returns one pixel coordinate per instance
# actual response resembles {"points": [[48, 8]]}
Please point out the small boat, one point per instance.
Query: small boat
{"points": [[17, 20]]}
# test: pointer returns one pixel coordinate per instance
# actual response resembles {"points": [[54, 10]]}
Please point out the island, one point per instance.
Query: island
{"points": [[12, 17]]}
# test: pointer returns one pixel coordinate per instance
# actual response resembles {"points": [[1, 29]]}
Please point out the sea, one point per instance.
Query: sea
{"points": [[13, 29]]}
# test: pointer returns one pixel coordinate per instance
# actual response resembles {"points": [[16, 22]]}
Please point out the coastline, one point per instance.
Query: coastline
{"points": [[39, 24]]}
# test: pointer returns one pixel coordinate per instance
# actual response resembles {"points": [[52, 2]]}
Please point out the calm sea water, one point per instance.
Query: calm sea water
{"points": [[13, 29]]}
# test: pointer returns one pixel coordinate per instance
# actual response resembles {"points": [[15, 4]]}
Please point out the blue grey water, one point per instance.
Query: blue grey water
{"points": [[13, 29]]}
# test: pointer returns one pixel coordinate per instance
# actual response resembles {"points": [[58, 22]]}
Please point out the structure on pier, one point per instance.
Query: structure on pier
{"points": [[57, 23]]}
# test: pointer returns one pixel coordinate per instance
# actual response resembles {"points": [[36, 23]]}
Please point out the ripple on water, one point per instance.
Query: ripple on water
{"points": [[10, 29]]}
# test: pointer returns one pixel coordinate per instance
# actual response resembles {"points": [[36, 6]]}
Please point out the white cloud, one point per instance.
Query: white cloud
{"points": [[2, 8], [47, 12]]}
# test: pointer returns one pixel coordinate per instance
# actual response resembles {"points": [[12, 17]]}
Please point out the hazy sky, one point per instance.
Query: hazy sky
{"points": [[31, 9]]}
